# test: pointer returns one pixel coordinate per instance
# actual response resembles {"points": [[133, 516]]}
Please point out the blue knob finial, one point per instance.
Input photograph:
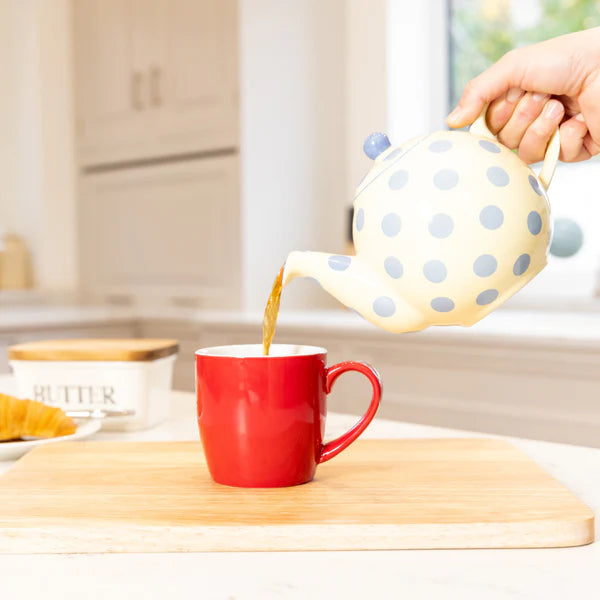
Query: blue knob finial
{"points": [[375, 144]]}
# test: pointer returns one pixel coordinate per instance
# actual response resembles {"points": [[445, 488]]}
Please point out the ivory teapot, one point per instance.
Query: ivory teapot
{"points": [[447, 227]]}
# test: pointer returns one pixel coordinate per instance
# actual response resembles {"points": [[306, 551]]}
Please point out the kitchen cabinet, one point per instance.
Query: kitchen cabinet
{"points": [[108, 62], [154, 78], [165, 232]]}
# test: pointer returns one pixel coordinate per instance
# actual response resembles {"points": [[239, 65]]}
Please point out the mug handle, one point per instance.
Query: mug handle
{"points": [[333, 448], [552, 151]]}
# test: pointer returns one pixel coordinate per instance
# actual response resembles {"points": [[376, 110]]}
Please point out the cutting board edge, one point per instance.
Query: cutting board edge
{"points": [[282, 538], [573, 528]]}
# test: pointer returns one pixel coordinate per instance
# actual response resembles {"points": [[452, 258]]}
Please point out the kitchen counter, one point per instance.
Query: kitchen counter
{"points": [[465, 574], [509, 374], [565, 328], [24, 317]]}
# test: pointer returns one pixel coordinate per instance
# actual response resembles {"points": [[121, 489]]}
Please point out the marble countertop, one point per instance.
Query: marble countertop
{"points": [[39, 316], [567, 328], [464, 574]]}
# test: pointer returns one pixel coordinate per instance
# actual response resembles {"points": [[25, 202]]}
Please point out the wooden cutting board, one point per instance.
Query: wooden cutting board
{"points": [[378, 494]]}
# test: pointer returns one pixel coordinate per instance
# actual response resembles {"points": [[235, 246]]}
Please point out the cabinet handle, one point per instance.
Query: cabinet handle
{"points": [[136, 90], [155, 77]]}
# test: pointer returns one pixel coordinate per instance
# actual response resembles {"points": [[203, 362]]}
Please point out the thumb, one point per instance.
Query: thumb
{"points": [[491, 84]]}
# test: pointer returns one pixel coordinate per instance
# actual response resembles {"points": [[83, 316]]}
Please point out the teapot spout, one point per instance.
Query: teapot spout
{"points": [[354, 284]]}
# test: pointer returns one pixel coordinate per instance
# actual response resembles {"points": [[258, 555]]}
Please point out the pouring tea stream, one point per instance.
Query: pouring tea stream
{"points": [[447, 227]]}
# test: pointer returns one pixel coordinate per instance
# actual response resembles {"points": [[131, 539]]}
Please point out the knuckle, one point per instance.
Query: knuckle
{"points": [[474, 90], [569, 132], [538, 132], [526, 112], [471, 89], [510, 56]]}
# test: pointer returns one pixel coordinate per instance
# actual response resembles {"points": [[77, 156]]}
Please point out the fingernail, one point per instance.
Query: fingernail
{"points": [[580, 117], [514, 94], [552, 110], [453, 116], [538, 96]]}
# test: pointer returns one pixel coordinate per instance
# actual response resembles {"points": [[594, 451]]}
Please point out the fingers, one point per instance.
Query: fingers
{"points": [[590, 145], [565, 65], [574, 140], [501, 109], [491, 84], [526, 112], [590, 107], [532, 146]]}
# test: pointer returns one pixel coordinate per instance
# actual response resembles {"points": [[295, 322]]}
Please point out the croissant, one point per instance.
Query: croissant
{"points": [[29, 418]]}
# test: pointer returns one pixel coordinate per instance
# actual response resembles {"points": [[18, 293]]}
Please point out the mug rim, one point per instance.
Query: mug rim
{"points": [[293, 351]]}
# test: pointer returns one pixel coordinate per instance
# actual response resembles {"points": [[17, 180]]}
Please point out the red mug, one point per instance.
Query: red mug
{"points": [[262, 418]]}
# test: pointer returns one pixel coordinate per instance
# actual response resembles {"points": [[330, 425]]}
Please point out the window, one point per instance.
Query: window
{"points": [[481, 31]]}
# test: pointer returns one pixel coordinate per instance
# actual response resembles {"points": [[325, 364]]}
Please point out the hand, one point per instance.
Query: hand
{"points": [[562, 76]]}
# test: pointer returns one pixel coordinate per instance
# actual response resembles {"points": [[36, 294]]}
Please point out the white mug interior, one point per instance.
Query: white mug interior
{"points": [[256, 351]]}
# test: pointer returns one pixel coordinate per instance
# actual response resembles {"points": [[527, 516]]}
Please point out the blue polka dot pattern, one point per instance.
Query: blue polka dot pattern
{"points": [[339, 263], [535, 185], [398, 180], [442, 304], [462, 232], [441, 226], [487, 297], [489, 146], [498, 176], [491, 217], [446, 179], [485, 265], [393, 154], [391, 224], [384, 307], [534, 222], [440, 146], [359, 219], [435, 271], [521, 264], [393, 267]]}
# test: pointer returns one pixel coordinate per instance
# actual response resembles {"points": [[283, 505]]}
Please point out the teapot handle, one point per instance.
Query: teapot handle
{"points": [[480, 127]]}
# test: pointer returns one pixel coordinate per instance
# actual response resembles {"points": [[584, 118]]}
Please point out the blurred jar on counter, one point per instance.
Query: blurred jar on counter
{"points": [[15, 263]]}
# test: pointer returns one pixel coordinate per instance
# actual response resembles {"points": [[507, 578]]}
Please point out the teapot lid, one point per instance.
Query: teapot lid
{"points": [[375, 144]]}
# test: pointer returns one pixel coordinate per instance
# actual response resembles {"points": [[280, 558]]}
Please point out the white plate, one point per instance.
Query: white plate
{"points": [[13, 450]]}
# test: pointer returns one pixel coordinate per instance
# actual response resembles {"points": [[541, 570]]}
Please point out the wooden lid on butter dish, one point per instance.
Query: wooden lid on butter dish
{"points": [[94, 350]]}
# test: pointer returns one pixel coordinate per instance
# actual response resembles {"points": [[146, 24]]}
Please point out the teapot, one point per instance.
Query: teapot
{"points": [[447, 227]]}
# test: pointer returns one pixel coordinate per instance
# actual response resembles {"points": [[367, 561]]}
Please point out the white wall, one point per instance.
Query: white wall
{"points": [[37, 198], [293, 141], [417, 39], [366, 83]]}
